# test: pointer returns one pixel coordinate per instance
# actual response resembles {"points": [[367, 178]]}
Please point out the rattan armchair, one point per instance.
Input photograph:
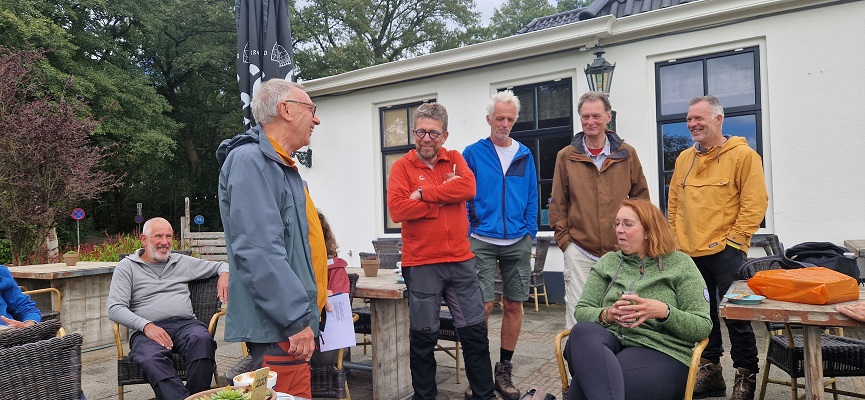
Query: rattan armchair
{"points": [[45, 369], [33, 333], [56, 299], [692, 371], [207, 308], [387, 245]]}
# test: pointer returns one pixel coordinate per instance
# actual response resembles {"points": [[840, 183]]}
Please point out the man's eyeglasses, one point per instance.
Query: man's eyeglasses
{"points": [[420, 133], [310, 105]]}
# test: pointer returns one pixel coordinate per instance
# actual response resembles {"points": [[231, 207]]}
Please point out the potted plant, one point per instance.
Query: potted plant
{"points": [[370, 263], [70, 258]]}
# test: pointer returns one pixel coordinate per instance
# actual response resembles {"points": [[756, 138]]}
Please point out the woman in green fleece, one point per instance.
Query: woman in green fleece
{"points": [[638, 346]]}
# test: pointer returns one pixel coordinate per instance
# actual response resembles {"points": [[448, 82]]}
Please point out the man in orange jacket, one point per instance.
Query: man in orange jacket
{"points": [[427, 193]]}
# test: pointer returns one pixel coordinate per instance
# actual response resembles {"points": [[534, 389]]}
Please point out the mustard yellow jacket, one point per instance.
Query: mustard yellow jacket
{"points": [[715, 195]]}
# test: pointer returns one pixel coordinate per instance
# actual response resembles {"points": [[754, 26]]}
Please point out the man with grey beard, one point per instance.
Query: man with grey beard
{"points": [[149, 294]]}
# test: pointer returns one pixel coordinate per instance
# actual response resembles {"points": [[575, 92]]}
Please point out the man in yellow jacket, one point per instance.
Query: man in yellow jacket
{"points": [[717, 199]]}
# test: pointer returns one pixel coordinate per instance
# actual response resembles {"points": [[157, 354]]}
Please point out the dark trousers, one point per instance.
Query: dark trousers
{"points": [[603, 369], [191, 339], [719, 271], [457, 284]]}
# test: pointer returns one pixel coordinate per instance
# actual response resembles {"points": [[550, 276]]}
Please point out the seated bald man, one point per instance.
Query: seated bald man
{"points": [[149, 294]]}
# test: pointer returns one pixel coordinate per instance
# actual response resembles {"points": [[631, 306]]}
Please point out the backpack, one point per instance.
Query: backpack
{"points": [[808, 254], [823, 254]]}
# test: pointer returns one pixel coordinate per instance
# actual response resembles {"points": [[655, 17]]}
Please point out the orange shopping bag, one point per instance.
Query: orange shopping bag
{"points": [[813, 285]]}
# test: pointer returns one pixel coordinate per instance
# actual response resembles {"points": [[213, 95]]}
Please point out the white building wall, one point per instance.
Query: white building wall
{"points": [[813, 95]]}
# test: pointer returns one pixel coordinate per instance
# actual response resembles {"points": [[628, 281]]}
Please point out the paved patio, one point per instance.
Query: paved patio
{"points": [[535, 365]]}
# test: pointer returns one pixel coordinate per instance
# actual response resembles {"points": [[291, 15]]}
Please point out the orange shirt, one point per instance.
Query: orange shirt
{"points": [[316, 235]]}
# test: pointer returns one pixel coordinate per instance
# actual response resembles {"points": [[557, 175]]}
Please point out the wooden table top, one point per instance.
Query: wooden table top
{"points": [[382, 286], [61, 270], [786, 312]]}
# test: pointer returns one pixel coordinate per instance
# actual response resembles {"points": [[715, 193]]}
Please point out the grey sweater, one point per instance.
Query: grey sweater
{"points": [[138, 296]]}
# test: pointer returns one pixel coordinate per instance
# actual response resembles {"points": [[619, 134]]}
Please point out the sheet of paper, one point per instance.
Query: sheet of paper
{"points": [[338, 330]]}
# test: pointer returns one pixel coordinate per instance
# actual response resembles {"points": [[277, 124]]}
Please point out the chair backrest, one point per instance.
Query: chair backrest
{"points": [[33, 333], [386, 260], [754, 265], [205, 303], [769, 242], [541, 253], [387, 245], [352, 284], [47, 369]]}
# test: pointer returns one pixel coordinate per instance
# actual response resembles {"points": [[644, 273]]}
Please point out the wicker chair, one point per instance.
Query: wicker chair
{"points": [[387, 245], [207, 308], [46, 369], [54, 313], [692, 371], [769, 242], [842, 356], [33, 333]]}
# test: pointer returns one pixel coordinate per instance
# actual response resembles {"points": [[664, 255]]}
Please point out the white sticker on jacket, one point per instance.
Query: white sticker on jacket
{"points": [[706, 294]]}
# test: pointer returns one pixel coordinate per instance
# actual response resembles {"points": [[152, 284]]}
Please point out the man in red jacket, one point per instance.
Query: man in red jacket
{"points": [[427, 193]]}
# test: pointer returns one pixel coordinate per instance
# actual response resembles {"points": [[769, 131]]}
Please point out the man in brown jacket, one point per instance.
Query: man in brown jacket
{"points": [[593, 175]]}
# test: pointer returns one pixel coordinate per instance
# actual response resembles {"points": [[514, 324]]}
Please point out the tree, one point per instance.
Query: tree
{"points": [[515, 14], [568, 5], [46, 161], [332, 37]]}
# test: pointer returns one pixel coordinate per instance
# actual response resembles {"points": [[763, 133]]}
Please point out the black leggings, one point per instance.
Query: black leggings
{"points": [[603, 369]]}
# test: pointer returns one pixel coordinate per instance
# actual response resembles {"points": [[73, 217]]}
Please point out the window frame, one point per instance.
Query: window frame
{"points": [[391, 150], [661, 119], [531, 138]]}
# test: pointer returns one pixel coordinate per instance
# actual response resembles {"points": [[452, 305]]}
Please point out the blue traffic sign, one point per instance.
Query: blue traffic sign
{"points": [[78, 214], [199, 220], [139, 219]]}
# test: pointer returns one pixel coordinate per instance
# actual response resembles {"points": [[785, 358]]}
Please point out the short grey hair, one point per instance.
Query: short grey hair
{"points": [[714, 104], [433, 111], [595, 96], [148, 225], [505, 96], [266, 99]]}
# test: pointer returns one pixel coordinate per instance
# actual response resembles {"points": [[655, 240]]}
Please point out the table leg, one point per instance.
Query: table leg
{"points": [[391, 376], [813, 353]]}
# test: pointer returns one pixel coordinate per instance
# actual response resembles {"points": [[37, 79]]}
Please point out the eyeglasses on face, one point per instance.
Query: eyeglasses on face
{"points": [[420, 133], [310, 105], [627, 224]]}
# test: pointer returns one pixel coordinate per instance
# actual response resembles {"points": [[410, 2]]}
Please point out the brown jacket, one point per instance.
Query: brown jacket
{"points": [[585, 201]]}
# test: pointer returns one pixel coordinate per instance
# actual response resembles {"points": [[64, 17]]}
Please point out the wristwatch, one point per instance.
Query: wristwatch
{"points": [[420, 192]]}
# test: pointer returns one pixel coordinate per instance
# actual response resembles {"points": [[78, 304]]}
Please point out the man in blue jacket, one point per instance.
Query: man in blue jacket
{"points": [[504, 218], [17, 310]]}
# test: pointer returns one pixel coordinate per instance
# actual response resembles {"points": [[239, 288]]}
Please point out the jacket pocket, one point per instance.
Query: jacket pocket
{"points": [[292, 375]]}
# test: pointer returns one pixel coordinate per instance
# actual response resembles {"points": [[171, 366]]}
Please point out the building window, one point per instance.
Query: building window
{"points": [[396, 123], [545, 125], [732, 77]]}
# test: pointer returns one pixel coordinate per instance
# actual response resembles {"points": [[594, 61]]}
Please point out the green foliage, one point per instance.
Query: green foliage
{"points": [[5, 252], [339, 36], [568, 5], [515, 14]]}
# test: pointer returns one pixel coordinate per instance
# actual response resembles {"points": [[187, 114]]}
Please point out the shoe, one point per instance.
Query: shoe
{"points": [[468, 394], [710, 380], [745, 386], [504, 382]]}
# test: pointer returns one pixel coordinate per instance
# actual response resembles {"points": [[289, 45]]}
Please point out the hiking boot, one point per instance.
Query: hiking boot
{"points": [[745, 386], [710, 380], [504, 382], [468, 394]]}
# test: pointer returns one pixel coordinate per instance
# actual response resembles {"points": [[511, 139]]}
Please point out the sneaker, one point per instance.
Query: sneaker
{"points": [[710, 380], [745, 386], [504, 382]]}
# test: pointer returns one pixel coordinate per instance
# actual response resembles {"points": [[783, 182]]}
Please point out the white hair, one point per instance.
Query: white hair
{"points": [[505, 96]]}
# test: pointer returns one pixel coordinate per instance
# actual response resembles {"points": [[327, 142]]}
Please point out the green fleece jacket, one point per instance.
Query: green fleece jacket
{"points": [[677, 282]]}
